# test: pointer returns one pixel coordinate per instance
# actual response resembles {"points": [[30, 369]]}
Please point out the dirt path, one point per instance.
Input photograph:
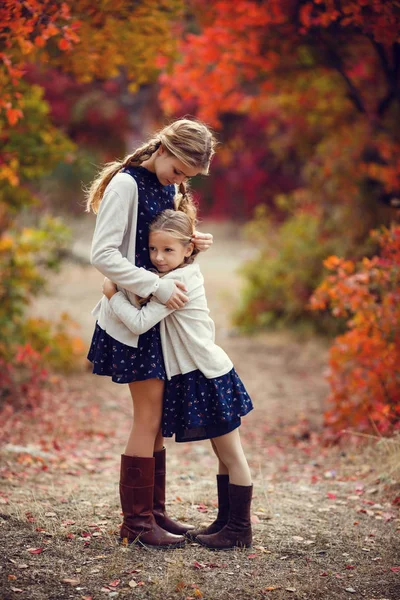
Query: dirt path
{"points": [[324, 524]]}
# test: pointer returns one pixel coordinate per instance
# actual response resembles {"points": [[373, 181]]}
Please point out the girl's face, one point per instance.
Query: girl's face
{"points": [[170, 169], [166, 252]]}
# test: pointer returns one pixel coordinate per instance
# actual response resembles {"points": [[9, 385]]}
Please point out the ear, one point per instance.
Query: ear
{"points": [[161, 149], [189, 249]]}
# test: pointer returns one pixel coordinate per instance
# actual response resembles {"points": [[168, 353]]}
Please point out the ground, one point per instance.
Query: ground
{"points": [[325, 519]]}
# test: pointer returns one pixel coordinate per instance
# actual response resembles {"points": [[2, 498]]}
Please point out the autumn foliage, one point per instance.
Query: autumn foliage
{"points": [[316, 85], [365, 361], [41, 40]]}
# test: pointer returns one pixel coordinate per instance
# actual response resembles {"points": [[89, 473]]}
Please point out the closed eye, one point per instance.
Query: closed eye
{"points": [[179, 173]]}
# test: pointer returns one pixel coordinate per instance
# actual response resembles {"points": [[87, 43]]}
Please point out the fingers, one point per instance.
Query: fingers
{"points": [[177, 300], [181, 285], [202, 241]]}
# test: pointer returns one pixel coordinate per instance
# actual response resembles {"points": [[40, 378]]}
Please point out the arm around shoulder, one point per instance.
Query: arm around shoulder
{"points": [[138, 320]]}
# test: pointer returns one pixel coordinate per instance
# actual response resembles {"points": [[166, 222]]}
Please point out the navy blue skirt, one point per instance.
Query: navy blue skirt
{"points": [[123, 363], [197, 408]]}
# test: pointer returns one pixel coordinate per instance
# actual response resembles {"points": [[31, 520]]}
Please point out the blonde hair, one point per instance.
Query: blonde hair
{"points": [[189, 140], [178, 224]]}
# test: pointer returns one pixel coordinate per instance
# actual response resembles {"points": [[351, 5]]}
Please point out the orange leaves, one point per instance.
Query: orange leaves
{"points": [[13, 115], [63, 44], [365, 361], [25, 36]]}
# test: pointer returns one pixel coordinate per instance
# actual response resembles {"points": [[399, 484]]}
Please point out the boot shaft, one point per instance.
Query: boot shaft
{"points": [[240, 503]]}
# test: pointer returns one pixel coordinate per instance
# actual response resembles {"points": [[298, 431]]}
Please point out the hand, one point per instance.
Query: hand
{"points": [[202, 241], [177, 299], [109, 288]]}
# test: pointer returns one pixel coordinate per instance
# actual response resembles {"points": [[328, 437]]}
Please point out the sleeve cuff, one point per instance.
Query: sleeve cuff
{"points": [[164, 291]]}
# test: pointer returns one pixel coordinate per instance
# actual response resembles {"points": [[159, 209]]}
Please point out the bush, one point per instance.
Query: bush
{"points": [[364, 362], [284, 274], [26, 256], [22, 379]]}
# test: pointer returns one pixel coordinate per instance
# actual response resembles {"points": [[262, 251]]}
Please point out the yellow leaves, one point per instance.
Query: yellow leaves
{"points": [[9, 172], [6, 242]]}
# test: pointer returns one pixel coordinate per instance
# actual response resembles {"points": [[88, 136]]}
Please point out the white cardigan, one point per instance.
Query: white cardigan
{"points": [[113, 254], [187, 334]]}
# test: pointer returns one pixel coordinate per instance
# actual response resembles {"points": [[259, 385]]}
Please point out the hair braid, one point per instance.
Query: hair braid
{"points": [[96, 190], [184, 202]]}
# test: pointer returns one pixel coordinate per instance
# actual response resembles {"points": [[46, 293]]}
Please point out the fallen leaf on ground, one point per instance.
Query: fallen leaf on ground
{"points": [[254, 519], [14, 589], [395, 569], [115, 583], [132, 583], [351, 590], [290, 589], [35, 550]]}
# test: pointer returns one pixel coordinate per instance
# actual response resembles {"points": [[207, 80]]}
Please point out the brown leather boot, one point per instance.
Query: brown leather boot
{"points": [[223, 510], [159, 512], [237, 532], [136, 491]]}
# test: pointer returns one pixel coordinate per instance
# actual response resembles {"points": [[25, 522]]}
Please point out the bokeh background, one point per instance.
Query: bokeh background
{"points": [[304, 97]]}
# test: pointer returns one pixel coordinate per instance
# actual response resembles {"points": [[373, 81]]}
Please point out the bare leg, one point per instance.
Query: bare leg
{"points": [[147, 399], [159, 441], [222, 468], [230, 453]]}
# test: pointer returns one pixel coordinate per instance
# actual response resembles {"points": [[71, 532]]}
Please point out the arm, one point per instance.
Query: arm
{"points": [[138, 320], [116, 209]]}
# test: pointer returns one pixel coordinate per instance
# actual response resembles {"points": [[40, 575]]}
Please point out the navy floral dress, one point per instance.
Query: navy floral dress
{"points": [[197, 408], [123, 363]]}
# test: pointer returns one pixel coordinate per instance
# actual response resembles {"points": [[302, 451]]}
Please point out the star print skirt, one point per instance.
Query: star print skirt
{"points": [[123, 363], [197, 408]]}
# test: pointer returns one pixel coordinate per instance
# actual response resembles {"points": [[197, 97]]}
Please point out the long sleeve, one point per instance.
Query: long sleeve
{"points": [[119, 204], [138, 320]]}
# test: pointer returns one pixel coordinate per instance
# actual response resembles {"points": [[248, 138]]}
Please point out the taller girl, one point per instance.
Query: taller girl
{"points": [[126, 196]]}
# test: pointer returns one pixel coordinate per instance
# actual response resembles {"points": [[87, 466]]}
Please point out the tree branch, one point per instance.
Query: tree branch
{"points": [[337, 63], [391, 75]]}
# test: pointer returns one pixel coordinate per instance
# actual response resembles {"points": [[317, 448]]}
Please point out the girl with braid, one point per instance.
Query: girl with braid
{"points": [[127, 196]]}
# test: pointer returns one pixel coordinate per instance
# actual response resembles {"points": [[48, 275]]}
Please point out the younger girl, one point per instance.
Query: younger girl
{"points": [[204, 397], [126, 196]]}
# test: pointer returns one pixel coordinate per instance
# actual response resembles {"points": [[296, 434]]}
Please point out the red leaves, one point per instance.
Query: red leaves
{"points": [[35, 550], [365, 361]]}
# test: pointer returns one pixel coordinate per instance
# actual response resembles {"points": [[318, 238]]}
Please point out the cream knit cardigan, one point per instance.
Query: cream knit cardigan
{"points": [[113, 254], [187, 334]]}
